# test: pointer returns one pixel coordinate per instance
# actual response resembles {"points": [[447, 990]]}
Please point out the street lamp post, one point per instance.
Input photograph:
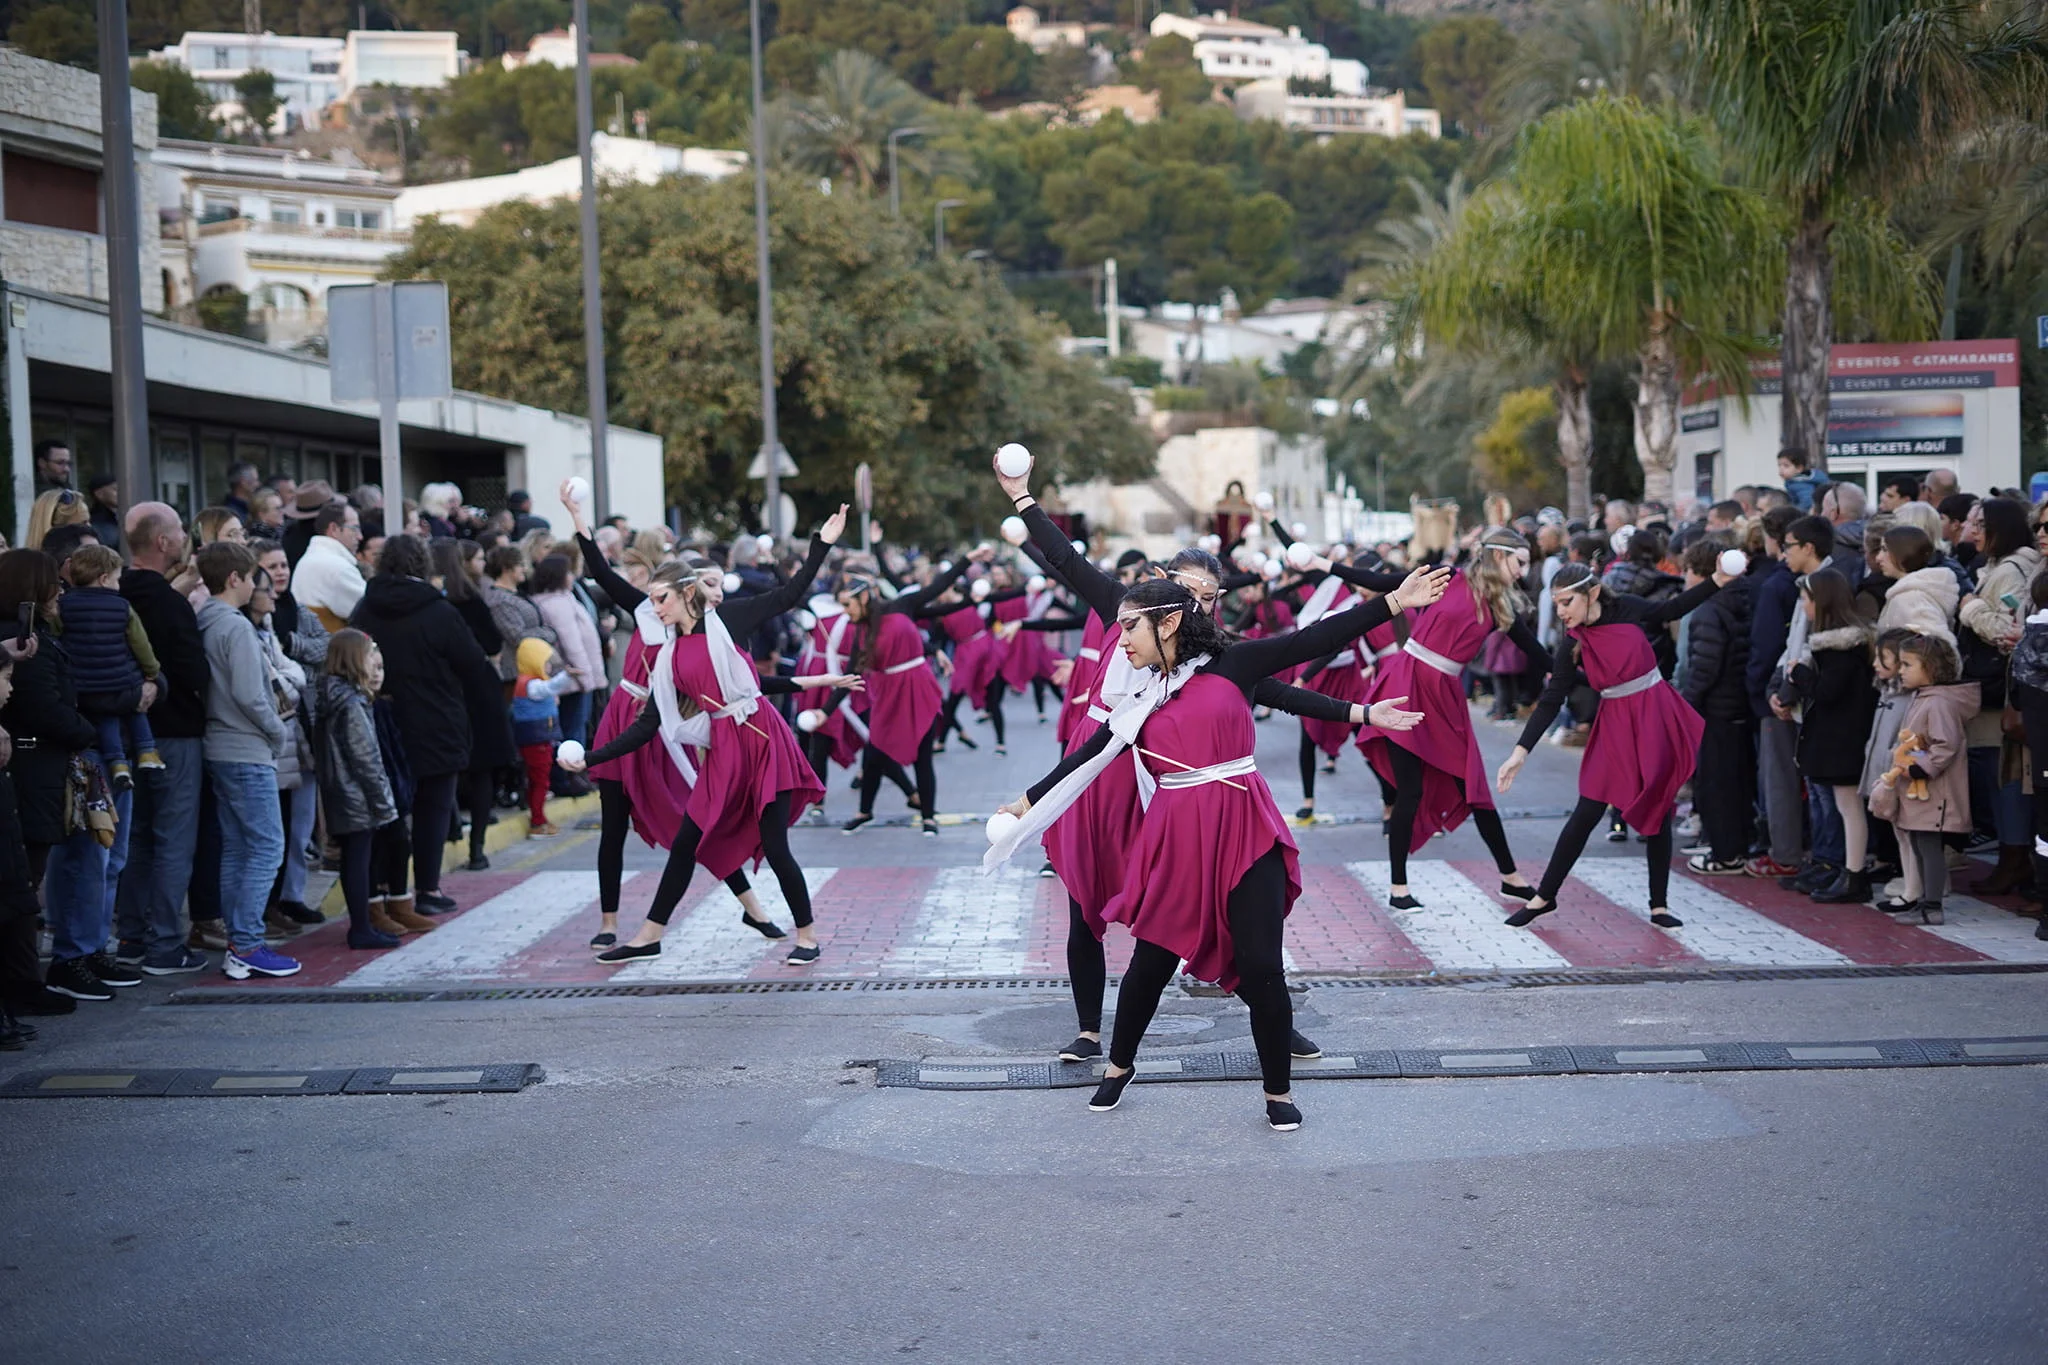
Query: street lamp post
{"points": [[771, 444], [939, 223], [134, 471], [895, 194], [593, 301]]}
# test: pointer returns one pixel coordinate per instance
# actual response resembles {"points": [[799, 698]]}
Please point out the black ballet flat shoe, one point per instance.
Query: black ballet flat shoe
{"points": [[628, 952], [1517, 893], [1330, 768], [931, 828], [1527, 915], [801, 956], [1282, 1117], [1110, 1093], [855, 823], [432, 902], [968, 742], [1404, 903], [765, 927], [1306, 813], [1300, 1048], [1081, 1050], [1002, 751], [1045, 870], [604, 940], [477, 864], [1664, 919]]}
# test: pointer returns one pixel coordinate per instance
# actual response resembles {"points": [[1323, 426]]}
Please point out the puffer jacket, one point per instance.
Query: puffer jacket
{"points": [[1923, 601], [96, 639], [1985, 621], [434, 674], [1834, 683], [1715, 678], [354, 791]]}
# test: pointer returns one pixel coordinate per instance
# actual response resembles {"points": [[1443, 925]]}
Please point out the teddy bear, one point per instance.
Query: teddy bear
{"points": [[1909, 746]]}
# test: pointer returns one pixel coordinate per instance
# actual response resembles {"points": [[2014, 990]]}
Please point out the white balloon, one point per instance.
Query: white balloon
{"points": [[579, 490], [1000, 824], [732, 582], [1263, 501], [1734, 563], [808, 721], [980, 589], [1300, 554], [571, 751], [1036, 583], [1013, 461], [1015, 531]]}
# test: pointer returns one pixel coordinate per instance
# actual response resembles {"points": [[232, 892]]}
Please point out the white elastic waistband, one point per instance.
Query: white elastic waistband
{"points": [[1091, 654], [1388, 652], [633, 690], [906, 665], [1632, 686], [1434, 659], [1344, 660], [1215, 772]]}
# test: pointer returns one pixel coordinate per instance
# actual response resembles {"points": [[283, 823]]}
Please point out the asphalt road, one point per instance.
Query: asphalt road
{"points": [[706, 1178]]}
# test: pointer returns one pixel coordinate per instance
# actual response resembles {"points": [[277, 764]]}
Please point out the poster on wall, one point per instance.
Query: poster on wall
{"points": [[1919, 423]]}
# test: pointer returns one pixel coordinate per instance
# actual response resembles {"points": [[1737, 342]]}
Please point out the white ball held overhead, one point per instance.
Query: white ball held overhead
{"points": [[1734, 563], [1036, 583], [571, 751], [1013, 461], [732, 582], [1212, 543], [1015, 531], [766, 543], [1263, 501], [808, 721], [579, 490], [1300, 554], [1000, 825], [980, 589]]}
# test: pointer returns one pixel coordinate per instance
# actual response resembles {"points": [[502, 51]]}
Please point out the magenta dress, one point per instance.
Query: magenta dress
{"points": [[1270, 618], [655, 791], [747, 765], [1645, 745], [1455, 630], [1195, 844], [903, 696], [819, 657], [1346, 679], [977, 654], [1090, 845], [1081, 680], [1023, 652]]}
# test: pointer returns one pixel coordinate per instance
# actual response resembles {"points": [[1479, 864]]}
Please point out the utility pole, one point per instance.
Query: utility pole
{"points": [[593, 301], [1109, 305], [133, 469], [771, 444], [939, 223], [895, 194]]}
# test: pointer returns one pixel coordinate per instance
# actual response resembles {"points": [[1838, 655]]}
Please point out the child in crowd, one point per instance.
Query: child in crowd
{"points": [[355, 790], [1925, 792], [111, 661], [1892, 701], [1800, 482], [537, 726], [1833, 677]]}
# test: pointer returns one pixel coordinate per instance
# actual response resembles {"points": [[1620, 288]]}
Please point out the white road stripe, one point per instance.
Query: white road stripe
{"points": [[1458, 926], [1716, 928], [710, 943], [479, 942], [1996, 933], [971, 925]]}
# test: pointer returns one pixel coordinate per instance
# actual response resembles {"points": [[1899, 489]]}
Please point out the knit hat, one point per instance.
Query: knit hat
{"points": [[535, 655]]}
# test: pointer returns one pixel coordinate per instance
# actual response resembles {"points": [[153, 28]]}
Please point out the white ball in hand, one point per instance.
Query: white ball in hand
{"points": [[808, 721], [980, 589], [1013, 461], [1263, 501], [1015, 531], [765, 543], [1036, 583], [1080, 546], [1271, 568], [571, 751], [1734, 563], [1000, 826], [1300, 554], [579, 490]]}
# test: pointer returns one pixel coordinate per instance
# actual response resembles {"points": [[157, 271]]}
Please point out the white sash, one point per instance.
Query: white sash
{"points": [[739, 695], [1344, 660], [906, 666], [1319, 602], [1129, 718], [1435, 660], [1632, 686], [1202, 777]]}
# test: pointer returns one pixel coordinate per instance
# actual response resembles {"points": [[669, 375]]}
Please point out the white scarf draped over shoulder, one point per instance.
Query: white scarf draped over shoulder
{"points": [[1124, 723], [739, 697]]}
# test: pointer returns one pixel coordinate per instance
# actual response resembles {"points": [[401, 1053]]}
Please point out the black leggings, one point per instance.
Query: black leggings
{"points": [[433, 807], [876, 765], [1571, 842], [1039, 688], [480, 788], [372, 860], [774, 829], [1257, 912], [1087, 968], [992, 702], [615, 813], [1311, 759], [1408, 801]]}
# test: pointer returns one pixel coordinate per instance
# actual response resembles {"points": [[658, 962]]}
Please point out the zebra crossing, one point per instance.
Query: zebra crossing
{"points": [[931, 923]]}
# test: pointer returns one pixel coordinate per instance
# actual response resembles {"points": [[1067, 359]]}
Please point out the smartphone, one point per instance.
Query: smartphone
{"points": [[27, 620]]}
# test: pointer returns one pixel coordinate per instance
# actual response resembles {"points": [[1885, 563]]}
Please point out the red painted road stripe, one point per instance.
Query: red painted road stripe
{"points": [[1589, 930], [861, 915], [563, 955], [326, 958], [1856, 931], [1336, 927]]}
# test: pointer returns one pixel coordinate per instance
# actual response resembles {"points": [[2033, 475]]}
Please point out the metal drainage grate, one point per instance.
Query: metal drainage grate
{"points": [[495, 1078], [1590, 976], [972, 1073]]}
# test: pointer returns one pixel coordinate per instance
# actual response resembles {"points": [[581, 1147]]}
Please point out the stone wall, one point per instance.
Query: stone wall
{"points": [[54, 110]]}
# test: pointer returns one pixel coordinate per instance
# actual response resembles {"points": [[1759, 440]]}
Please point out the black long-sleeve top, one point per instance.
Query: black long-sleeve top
{"points": [[1618, 609], [742, 615], [647, 724], [1250, 664]]}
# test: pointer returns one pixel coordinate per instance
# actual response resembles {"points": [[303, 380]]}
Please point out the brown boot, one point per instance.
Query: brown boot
{"points": [[2015, 869], [382, 922], [411, 921]]}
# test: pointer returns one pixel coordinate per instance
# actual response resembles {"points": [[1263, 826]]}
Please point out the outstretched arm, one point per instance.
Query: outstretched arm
{"points": [[1101, 592]]}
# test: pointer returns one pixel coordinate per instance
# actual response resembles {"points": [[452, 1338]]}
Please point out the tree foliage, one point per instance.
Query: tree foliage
{"points": [[1462, 59], [919, 367], [182, 108]]}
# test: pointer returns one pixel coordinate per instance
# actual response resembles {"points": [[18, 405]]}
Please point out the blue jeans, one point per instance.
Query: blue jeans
{"points": [[123, 736], [301, 804], [251, 846], [150, 909], [1830, 840], [576, 717], [78, 887], [2001, 808]]}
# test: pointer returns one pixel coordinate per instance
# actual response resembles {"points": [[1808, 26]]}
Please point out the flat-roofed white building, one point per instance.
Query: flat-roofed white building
{"points": [[412, 61], [308, 71], [618, 159], [1380, 115], [1239, 50]]}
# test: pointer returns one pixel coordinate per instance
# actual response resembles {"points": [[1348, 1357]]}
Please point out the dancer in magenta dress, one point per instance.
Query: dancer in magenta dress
{"points": [[1213, 871], [1436, 771], [840, 736], [749, 780], [1645, 741]]}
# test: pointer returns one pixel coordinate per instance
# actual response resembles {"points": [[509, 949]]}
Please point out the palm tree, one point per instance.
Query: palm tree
{"points": [[1826, 102], [841, 131]]}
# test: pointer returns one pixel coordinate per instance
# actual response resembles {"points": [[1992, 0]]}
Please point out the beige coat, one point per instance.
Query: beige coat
{"points": [[1940, 716], [1987, 615], [1924, 601]]}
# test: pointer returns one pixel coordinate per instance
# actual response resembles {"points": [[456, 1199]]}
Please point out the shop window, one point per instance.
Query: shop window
{"points": [[49, 193]]}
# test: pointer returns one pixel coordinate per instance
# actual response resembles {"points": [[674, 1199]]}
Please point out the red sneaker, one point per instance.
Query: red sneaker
{"points": [[1768, 867]]}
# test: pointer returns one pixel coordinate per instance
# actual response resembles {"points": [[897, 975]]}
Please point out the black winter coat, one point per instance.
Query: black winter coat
{"points": [[173, 630], [1717, 655], [354, 790], [1840, 706], [43, 718], [434, 673]]}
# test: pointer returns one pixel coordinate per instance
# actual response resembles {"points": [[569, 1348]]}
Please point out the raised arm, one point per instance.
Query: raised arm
{"points": [[595, 568], [1101, 592], [917, 599], [1249, 660], [744, 616]]}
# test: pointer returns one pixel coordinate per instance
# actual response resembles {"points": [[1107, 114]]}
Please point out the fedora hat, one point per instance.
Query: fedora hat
{"points": [[311, 498]]}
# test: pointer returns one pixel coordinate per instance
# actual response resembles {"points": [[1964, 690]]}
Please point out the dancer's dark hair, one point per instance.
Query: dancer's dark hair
{"points": [[1200, 633]]}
